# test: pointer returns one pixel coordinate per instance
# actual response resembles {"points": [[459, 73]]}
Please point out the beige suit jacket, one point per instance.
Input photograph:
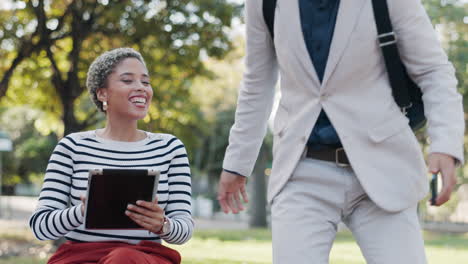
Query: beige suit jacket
{"points": [[355, 93]]}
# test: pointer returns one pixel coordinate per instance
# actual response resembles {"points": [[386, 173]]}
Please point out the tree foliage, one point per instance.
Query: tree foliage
{"points": [[47, 47], [451, 20], [28, 161], [217, 98]]}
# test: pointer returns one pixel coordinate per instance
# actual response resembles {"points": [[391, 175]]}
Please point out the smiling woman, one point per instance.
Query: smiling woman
{"points": [[119, 85]]}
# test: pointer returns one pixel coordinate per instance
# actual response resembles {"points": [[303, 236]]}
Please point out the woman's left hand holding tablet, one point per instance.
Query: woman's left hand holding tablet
{"points": [[83, 204], [147, 214]]}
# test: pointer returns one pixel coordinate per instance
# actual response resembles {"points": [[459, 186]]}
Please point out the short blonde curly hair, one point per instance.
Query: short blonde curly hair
{"points": [[103, 66]]}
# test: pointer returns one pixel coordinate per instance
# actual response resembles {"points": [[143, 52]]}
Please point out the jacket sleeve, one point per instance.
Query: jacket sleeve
{"points": [[428, 66], [255, 98]]}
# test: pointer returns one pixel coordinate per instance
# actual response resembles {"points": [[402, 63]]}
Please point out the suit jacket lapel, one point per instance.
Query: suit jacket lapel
{"points": [[348, 14]]}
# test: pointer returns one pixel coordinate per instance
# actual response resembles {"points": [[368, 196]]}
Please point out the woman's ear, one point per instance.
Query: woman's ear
{"points": [[102, 94]]}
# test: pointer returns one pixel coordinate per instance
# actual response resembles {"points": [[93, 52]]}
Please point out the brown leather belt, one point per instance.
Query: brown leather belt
{"points": [[336, 155]]}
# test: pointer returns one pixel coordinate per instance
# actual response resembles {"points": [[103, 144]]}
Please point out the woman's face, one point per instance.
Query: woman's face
{"points": [[128, 91]]}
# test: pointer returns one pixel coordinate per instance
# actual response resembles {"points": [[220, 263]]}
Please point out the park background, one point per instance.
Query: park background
{"points": [[194, 52]]}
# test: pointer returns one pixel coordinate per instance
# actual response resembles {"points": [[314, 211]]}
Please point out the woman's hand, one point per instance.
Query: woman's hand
{"points": [[147, 215]]}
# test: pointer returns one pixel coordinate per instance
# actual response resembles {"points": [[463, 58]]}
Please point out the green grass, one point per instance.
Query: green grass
{"points": [[254, 247], [22, 260]]}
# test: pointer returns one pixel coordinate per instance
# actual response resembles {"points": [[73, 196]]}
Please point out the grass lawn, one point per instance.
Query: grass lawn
{"points": [[254, 247]]}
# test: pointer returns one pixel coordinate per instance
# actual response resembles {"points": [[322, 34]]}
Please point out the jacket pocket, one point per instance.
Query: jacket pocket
{"points": [[390, 127]]}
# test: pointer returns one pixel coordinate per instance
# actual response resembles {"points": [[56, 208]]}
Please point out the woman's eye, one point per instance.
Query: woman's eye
{"points": [[127, 81], [145, 83]]}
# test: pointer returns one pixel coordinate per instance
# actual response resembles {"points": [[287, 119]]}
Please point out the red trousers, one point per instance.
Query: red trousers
{"points": [[114, 253]]}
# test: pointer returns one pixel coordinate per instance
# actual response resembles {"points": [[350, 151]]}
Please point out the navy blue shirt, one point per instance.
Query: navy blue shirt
{"points": [[318, 19]]}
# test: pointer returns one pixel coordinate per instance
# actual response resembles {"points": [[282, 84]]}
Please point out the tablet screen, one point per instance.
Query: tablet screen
{"points": [[109, 193]]}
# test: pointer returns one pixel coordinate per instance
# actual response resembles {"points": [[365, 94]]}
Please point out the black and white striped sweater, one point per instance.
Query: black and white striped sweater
{"points": [[59, 208]]}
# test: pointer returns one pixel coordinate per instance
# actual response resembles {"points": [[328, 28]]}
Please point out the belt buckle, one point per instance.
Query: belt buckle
{"points": [[337, 158]]}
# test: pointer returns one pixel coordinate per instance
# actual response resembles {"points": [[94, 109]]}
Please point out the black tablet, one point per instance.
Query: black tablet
{"points": [[111, 190]]}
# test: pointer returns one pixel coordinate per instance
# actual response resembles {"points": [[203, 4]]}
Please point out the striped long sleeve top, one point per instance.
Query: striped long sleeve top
{"points": [[58, 212]]}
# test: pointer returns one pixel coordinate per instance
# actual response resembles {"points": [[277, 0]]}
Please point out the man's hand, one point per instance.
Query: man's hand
{"points": [[445, 164], [231, 187]]}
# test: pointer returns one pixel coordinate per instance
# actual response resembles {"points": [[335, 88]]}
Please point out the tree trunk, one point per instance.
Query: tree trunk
{"points": [[70, 123], [258, 213]]}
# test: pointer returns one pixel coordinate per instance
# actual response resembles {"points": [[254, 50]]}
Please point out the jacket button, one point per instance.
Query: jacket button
{"points": [[323, 97], [280, 134]]}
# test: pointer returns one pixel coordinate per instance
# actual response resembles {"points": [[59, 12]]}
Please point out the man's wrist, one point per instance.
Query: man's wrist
{"points": [[233, 172]]}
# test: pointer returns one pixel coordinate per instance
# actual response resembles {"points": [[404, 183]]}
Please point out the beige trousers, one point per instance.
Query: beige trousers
{"points": [[317, 197]]}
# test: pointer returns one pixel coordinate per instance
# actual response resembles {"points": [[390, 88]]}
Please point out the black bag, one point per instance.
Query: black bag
{"points": [[406, 93]]}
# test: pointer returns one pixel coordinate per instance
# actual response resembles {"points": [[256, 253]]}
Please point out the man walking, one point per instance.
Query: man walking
{"points": [[342, 149]]}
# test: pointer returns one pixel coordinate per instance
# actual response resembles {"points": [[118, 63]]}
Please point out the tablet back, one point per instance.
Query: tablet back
{"points": [[109, 193]]}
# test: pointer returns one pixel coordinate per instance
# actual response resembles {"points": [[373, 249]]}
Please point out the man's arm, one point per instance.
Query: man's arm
{"points": [[253, 109], [445, 164], [429, 67]]}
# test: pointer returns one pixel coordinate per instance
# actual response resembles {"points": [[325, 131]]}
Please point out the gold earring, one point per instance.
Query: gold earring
{"points": [[104, 105]]}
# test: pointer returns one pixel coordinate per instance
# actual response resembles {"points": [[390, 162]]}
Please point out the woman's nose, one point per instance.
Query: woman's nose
{"points": [[140, 86]]}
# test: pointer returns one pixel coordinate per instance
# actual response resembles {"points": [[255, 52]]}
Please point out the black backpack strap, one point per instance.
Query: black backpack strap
{"points": [[396, 70], [269, 15]]}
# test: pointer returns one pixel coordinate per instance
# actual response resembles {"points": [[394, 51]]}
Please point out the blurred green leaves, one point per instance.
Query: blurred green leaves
{"points": [[47, 46]]}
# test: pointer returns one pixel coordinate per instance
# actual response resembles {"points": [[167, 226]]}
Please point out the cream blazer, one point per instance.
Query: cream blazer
{"points": [[355, 94]]}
